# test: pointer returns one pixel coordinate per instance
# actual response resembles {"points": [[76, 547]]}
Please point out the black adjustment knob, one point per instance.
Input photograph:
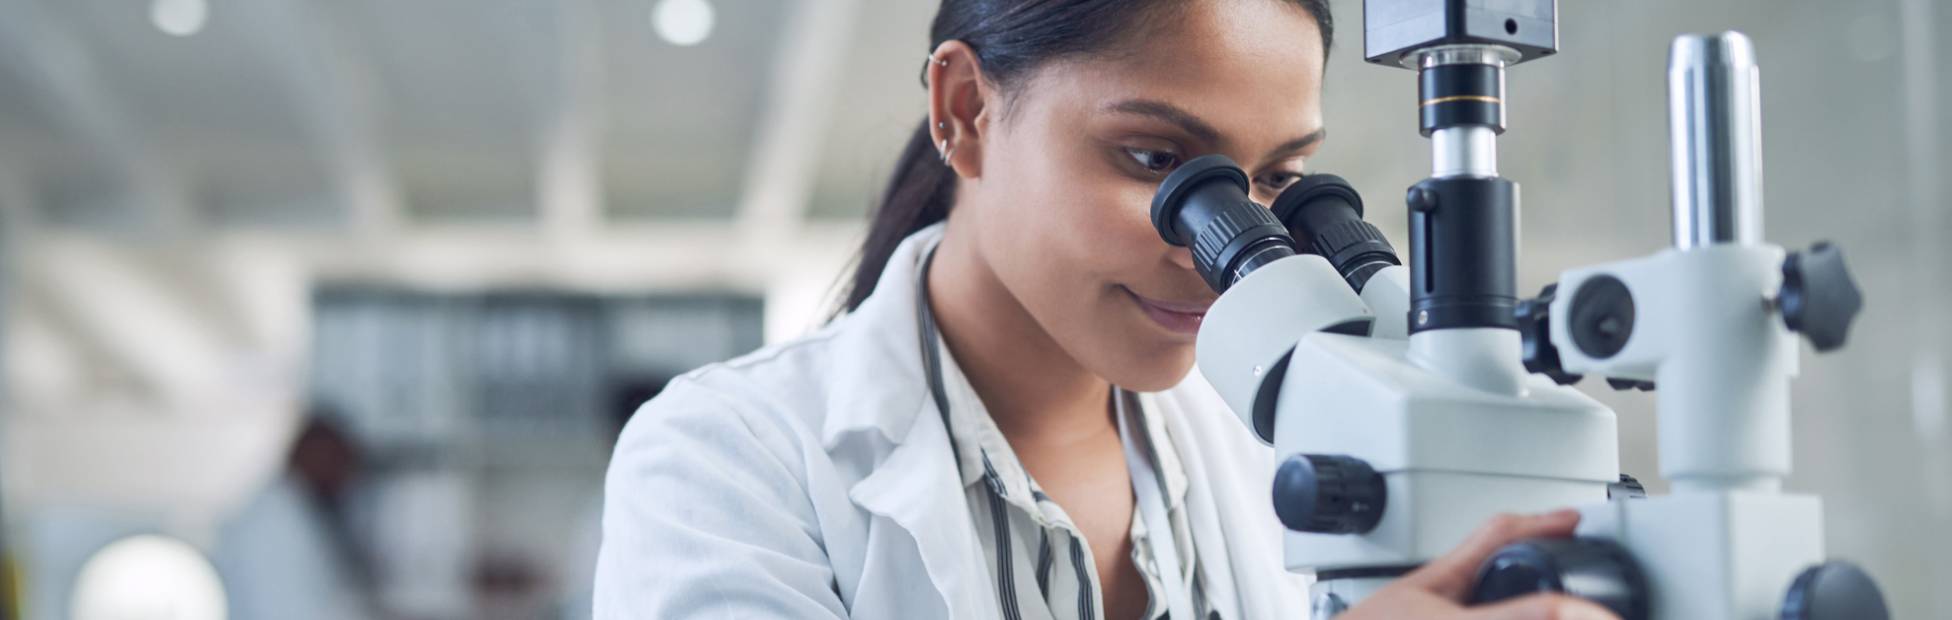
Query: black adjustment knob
{"points": [[1535, 330], [1328, 494], [1601, 317], [1594, 569], [1421, 199], [1819, 299], [1834, 591]]}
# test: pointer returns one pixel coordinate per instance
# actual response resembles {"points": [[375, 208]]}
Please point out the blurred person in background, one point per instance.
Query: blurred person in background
{"points": [[1003, 423], [289, 553]]}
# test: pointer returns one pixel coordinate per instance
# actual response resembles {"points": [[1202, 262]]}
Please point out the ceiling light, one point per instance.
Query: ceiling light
{"points": [[682, 22], [148, 576], [179, 17]]}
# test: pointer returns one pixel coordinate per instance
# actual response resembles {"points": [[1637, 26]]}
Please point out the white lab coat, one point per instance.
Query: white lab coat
{"points": [[813, 480]]}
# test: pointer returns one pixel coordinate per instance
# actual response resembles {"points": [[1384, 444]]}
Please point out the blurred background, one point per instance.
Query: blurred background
{"points": [[331, 308]]}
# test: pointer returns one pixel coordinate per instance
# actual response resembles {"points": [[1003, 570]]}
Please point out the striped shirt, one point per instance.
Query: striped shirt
{"points": [[1039, 561]]}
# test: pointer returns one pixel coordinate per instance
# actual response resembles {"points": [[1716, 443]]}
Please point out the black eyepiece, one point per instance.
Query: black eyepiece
{"points": [[1204, 205], [1325, 215]]}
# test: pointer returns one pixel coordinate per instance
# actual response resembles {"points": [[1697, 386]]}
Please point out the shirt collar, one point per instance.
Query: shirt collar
{"points": [[1165, 457], [976, 435]]}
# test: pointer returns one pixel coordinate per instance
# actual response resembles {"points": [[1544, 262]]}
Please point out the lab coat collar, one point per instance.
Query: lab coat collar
{"points": [[879, 357], [878, 354]]}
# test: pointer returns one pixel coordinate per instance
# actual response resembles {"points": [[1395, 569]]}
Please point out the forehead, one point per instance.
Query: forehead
{"points": [[1245, 66]]}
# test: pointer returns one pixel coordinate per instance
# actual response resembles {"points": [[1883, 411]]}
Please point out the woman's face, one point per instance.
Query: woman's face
{"points": [[1069, 168]]}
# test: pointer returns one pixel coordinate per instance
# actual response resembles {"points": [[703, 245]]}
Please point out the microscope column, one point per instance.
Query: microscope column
{"points": [[1724, 405], [1726, 543], [1463, 224]]}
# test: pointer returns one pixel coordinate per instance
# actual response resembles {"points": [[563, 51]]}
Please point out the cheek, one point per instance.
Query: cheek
{"points": [[1081, 235], [1103, 215], [1073, 230], [1054, 213]]}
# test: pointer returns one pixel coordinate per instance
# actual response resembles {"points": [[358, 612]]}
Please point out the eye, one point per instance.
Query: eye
{"points": [[1278, 181], [1157, 162]]}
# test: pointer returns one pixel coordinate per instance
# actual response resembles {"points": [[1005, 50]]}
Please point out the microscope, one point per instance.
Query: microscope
{"points": [[1409, 403]]}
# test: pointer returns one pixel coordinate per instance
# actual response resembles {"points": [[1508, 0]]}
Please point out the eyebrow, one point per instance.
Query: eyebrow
{"points": [[1200, 129], [1297, 144], [1171, 114]]}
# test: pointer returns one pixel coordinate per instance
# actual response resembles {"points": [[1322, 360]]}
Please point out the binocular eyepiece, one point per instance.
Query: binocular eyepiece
{"points": [[1204, 206]]}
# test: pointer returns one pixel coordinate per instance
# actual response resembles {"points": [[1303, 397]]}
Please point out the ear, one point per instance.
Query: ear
{"points": [[959, 102]]}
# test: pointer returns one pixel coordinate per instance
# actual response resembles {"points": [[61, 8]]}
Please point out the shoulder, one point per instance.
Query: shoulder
{"points": [[769, 379], [715, 496], [859, 372], [725, 442], [771, 398]]}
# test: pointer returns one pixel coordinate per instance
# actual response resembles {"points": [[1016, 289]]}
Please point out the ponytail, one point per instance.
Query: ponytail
{"points": [[918, 195]]}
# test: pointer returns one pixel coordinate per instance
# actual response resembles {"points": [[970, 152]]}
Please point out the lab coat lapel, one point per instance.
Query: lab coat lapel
{"points": [[917, 488], [878, 355], [1208, 533], [1228, 473], [916, 485]]}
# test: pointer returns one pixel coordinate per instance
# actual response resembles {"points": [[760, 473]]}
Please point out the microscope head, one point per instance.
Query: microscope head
{"points": [[1204, 205], [1272, 294]]}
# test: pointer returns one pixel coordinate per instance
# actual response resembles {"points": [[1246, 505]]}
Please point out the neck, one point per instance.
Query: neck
{"points": [[1035, 391]]}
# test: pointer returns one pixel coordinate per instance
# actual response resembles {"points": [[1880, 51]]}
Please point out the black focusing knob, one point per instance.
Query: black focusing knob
{"points": [[1594, 569], [1818, 298], [1535, 332], [1834, 591], [1601, 316], [1328, 494]]}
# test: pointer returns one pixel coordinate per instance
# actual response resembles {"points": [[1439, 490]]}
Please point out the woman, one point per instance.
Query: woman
{"points": [[1004, 425]]}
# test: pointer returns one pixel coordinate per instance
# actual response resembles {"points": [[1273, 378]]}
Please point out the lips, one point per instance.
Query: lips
{"points": [[1179, 317]]}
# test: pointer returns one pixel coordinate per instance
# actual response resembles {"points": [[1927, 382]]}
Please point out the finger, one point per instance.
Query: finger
{"points": [[1397, 601], [1540, 607], [1452, 573]]}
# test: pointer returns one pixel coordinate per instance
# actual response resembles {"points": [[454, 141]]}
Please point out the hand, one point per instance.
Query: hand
{"points": [[1438, 589]]}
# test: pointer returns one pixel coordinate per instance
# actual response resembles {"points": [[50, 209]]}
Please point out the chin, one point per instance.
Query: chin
{"points": [[1158, 371]]}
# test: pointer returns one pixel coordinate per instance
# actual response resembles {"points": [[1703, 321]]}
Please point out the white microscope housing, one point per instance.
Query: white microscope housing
{"points": [[1410, 404]]}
